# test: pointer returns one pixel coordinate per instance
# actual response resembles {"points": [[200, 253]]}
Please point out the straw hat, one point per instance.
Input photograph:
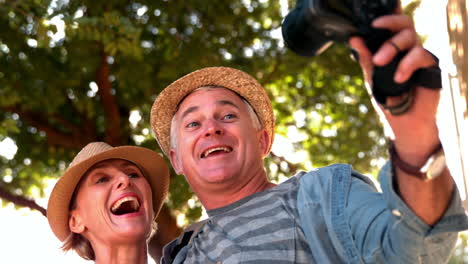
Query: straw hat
{"points": [[165, 105], [152, 164]]}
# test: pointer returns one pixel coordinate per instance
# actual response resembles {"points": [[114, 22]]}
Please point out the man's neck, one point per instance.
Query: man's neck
{"points": [[235, 192]]}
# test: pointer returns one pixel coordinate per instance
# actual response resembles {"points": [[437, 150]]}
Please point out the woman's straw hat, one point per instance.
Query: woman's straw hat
{"points": [[153, 165], [166, 104]]}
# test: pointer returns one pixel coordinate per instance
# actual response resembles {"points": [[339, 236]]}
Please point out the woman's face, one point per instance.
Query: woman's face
{"points": [[113, 204]]}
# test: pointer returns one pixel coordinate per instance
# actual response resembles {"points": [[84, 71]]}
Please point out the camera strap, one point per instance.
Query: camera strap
{"points": [[384, 86]]}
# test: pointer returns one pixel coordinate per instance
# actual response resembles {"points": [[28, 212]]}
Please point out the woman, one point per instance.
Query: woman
{"points": [[105, 203]]}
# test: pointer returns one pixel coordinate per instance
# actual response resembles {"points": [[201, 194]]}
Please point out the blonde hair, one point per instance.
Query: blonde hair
{"points": [[80, 244]]}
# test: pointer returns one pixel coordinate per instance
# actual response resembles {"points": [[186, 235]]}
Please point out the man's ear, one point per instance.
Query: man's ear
{"points": [[75, 223], [175, 161], [264, 141]]}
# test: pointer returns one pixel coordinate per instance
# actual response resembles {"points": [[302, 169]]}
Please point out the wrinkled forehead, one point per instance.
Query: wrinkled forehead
{"points": [[208, 88]]}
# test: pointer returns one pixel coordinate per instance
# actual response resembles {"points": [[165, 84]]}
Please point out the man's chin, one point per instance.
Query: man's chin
{"points": [[218, 175]]}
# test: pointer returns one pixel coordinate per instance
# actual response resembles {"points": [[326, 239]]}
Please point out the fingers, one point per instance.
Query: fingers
{"points": [[416, 58], [394, 23], [404, 38]]}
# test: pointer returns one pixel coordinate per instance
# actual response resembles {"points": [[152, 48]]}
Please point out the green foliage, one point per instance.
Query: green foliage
{"points": [[411, 7], [112, 30], [460, 254], [50, 109]]}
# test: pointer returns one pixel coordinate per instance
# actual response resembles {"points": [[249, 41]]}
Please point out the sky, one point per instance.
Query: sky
{"points": [[24, 229], [25, 237], [28, 229]]}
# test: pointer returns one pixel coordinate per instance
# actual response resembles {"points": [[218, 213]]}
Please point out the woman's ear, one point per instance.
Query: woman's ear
{"points": [[75, 223]]}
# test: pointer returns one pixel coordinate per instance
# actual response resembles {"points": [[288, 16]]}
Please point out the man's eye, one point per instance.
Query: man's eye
{"points": [[191, 124], [102, 179], [229, 116], [133, 175]]}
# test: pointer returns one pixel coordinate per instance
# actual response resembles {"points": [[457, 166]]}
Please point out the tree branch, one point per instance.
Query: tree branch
{"points": [[76, 139], [21, 201], [65, 123], [111, 109]]}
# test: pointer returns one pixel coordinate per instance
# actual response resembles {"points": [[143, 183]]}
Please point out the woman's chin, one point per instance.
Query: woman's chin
{"points": [[132, 230]]}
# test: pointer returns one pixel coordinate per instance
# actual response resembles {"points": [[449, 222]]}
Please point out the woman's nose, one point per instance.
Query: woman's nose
{"points": [[123, 181]]}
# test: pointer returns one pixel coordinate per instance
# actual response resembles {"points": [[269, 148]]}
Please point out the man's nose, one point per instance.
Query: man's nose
{"points": [[213, 128]]}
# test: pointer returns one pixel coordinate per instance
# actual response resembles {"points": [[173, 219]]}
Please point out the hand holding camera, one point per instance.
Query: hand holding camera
{"points": [[405, 77], [416, 130], [312, 26]]}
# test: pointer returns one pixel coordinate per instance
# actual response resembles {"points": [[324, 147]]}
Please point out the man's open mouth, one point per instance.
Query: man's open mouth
{"points": [[216, 150], [125, 205]]}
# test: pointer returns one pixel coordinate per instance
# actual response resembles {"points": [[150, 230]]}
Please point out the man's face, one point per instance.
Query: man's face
{"points": [[113, 203], [217, 144]]}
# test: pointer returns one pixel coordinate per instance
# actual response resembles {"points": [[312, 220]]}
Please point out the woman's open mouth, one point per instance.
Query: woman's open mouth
{"points": [[126, 205]]}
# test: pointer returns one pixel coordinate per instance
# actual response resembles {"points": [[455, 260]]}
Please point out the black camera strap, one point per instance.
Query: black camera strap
{"points": [[383, 85]]}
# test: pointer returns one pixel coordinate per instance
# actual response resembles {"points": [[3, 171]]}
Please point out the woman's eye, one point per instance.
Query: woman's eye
{"points": [[102, 179], [133, 175]]}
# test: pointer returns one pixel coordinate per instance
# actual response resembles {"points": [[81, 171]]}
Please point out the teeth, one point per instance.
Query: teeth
{"points": [[134, 202], [208, 152]]}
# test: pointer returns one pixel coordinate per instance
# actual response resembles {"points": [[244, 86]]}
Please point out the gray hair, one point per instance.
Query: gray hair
{"points": [[253, 115]]}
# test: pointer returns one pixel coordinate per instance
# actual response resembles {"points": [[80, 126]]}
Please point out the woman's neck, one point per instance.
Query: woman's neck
{"points": [[134, 253]]}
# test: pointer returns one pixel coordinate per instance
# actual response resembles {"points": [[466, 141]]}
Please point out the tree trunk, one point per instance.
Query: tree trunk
{"points": [[457, 20], [167, 231]]}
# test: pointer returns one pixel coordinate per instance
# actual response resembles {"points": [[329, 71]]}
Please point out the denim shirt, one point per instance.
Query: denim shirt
{"points": [[345, 220], [342, 218]]}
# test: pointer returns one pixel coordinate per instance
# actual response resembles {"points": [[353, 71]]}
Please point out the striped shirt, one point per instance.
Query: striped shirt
{"points": [[261, 228]]}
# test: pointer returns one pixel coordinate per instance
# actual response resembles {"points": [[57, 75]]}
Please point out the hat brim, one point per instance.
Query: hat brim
{"points": [[165, 105], [154, 169]]}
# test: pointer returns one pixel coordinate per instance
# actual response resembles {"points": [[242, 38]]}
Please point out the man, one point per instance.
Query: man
{"points": [[216, 125]]}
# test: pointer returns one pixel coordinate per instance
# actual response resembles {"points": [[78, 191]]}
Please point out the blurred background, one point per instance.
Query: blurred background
{"points": [[73, 72]]}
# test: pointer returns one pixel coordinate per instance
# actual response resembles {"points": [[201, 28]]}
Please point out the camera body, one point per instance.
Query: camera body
{"points": [[314, 24]]}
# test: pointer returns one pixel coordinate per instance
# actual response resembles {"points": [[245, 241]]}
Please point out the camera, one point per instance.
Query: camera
{"points": [[313, 25]]}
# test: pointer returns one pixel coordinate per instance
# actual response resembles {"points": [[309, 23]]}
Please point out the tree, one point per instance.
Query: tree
{"points": [[457, 20], [62, 90]]}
